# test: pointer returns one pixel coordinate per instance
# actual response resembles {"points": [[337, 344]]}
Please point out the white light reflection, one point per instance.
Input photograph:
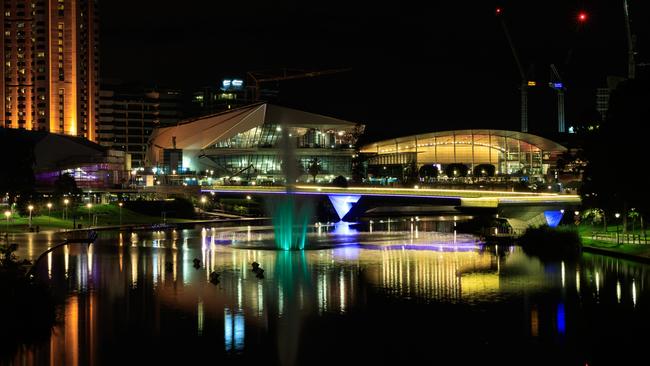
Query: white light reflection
{"points": [[342, 291], [66, 259], [90, 260], [199, 316], [134, 266]]}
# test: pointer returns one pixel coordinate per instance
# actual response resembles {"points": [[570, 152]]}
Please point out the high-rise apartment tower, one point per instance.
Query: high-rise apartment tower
{"points": [[50, 78]]}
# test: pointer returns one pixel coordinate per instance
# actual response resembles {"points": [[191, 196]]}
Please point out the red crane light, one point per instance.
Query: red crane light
{"points": [[498, 11], [582, 17]]}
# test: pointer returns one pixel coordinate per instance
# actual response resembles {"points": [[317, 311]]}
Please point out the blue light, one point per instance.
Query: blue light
{"points": [[561, 319], [553, 217], [557, 85], [344, 228], [343, 204]]}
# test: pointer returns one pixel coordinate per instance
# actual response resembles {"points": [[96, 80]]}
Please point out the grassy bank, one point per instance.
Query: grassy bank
{"points": [[100, 215]]}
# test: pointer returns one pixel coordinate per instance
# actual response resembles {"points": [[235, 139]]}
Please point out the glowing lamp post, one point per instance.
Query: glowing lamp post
{"points": [[89, 206], [8, 216], [120, 204], [30, 208], [203, 200], [49, 213], [617, 215], [65, 211]]}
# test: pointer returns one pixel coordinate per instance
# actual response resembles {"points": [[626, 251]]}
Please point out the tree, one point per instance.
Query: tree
{"points": [[620, 137], [411, 175], [456, 170], [340, 181], [429, 171], [66, 185], [484, 170], [358, 169], [314, 168], [17, 179]]}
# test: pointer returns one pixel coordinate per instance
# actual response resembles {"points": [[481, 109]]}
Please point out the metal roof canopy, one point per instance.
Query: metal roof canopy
{"points": [[203, 132], [542, 143]]}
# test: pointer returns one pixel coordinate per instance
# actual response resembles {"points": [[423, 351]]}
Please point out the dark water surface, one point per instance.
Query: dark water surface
{"points": [[402, 294]]}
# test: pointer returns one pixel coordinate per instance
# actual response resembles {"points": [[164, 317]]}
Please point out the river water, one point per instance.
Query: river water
{"points": [[383, 295]]}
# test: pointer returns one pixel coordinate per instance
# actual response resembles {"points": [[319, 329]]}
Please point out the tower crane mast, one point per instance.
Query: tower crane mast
{"points": [[524, 82]]}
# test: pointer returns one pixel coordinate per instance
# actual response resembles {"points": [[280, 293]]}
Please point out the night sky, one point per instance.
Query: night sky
{"points": [[416, 67]]}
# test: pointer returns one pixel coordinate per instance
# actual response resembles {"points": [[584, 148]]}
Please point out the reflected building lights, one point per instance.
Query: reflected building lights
{"points": [[199, 316], [49, 265], [134, 266], [534, 321], [563, 274], [342, 291], [633, 292], [561, 319], [66, 259], [618, 291], [90, 260]]}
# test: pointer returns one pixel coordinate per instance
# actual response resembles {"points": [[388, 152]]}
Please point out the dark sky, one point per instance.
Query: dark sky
{"points": [[416, 66]]}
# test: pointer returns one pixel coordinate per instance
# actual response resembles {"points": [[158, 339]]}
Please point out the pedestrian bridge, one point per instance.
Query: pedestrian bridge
{"points": [[520, 208], [467, 198]]}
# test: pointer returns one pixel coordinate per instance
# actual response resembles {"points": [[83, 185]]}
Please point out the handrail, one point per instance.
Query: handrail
{"points": [[92, 236]]}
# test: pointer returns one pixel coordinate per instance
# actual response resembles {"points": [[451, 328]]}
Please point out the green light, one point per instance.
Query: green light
{"points": [[290, 222]]}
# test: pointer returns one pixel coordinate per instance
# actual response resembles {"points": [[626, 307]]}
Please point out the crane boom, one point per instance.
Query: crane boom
{"points": [[287, 74]]}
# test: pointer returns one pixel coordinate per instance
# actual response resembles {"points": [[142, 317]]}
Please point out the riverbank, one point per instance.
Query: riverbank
{"points": [[105, 217], [637, 252]]}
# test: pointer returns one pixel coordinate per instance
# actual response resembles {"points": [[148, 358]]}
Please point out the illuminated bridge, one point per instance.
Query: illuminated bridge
{"points": [[521, 209]]}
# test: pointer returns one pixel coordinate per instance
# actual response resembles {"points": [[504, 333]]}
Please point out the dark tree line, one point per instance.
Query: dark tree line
{"points": [[615, 178]]}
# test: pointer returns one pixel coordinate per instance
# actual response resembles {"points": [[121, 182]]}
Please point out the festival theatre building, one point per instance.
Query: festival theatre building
{"points": [[509, 152], [244, 145]]}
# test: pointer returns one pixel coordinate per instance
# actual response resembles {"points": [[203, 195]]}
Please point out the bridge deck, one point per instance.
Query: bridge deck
{"points": [[469, 198]]}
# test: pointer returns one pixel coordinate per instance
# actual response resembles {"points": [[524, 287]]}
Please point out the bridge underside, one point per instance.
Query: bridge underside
{"points": [[521, 210]]}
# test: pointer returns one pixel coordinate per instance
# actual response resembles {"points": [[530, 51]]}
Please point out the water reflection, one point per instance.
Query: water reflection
{"points": [[115, 293]]}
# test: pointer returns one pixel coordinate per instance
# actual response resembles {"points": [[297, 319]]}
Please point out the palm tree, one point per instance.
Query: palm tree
{"points": [[314, 168]]}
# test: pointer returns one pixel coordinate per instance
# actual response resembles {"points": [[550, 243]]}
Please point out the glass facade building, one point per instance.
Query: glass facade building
{"points": [[509, 152], [246, 144]]}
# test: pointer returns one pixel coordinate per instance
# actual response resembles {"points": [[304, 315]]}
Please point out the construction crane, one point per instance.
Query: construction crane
{"points": [[260, 77], [631, 43], [557, 84], [525, 83]]}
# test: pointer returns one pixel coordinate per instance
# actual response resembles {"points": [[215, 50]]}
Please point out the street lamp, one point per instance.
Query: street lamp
{"points": [[49, 213], [120, 204], [65, 212], [8, 215], [617, 215], [203, 200], [30, 208], [89, 205]]}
